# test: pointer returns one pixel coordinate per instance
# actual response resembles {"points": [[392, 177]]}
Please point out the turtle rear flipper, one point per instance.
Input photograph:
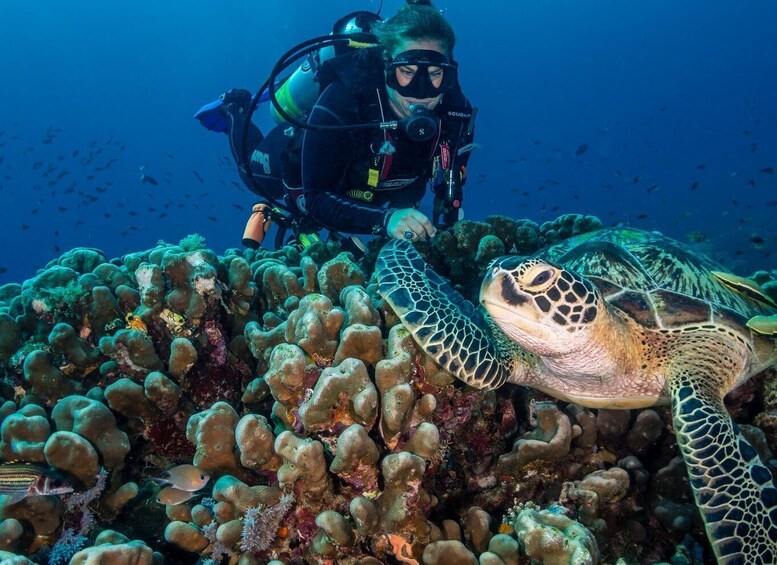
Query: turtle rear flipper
{"points": [[733, 489], [443, 323]]}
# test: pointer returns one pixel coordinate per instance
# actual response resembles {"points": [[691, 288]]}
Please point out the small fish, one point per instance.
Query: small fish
{"points": [[581, 149], [184, 477], [771, 204], [20, 480], [135, 323], [636, 179], [751, 182], [695, 185], [701, 167], [641, 216], [170, 496], [697, 236], [148, 179], [767, 171], [652, 188], [758, 241]]}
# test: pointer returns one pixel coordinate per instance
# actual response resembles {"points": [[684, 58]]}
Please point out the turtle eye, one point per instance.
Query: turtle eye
{"points": [[542, 277]]}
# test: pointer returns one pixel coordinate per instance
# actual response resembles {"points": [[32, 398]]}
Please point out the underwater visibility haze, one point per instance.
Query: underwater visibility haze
{"points": [[658, 115], [166, 395]]}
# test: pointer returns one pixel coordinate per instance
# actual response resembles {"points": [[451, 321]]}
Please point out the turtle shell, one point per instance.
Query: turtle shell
{"points": [[659, 282]]}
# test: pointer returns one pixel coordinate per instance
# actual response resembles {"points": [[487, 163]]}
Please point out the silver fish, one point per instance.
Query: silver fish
{"points": [[183, 477], [171, 496]]}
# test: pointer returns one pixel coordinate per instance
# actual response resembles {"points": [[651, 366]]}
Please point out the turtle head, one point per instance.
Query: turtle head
{"points": [[543, 307]]}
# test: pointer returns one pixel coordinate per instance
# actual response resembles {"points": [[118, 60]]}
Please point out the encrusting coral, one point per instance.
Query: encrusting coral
{"points": [[327, 435]]}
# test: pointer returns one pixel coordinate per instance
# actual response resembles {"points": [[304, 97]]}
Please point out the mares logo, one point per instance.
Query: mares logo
{"points": [[365, 195], [262, 159]]}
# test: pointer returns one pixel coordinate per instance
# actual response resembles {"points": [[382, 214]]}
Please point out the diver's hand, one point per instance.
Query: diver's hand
{"points": [[410, 224], [214, 116], [237, 99]]}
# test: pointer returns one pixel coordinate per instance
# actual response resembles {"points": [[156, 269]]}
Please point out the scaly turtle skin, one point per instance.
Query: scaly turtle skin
{"points": [[617, 318]]}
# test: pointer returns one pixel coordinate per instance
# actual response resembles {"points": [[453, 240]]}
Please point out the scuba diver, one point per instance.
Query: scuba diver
{"points": [[372, 116]]}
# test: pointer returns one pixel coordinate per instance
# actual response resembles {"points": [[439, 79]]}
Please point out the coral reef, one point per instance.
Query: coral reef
{"points": [[328, 435]]}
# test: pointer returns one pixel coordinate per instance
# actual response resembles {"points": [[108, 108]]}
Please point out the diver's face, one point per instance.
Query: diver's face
{"points": [[405, 73]]}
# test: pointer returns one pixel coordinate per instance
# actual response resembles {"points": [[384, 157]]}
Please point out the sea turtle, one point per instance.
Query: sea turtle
{"points": [[617, 318]]}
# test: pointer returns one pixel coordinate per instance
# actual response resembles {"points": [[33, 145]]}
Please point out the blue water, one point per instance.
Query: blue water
{"points": [[675, 101]]}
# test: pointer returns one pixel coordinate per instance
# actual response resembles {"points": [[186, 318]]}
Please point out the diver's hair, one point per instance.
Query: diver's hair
{"points": [[415, 21]]}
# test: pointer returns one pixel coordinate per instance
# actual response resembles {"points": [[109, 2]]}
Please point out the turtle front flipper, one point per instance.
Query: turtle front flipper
{"points": [[443, 322], [733, 489]]}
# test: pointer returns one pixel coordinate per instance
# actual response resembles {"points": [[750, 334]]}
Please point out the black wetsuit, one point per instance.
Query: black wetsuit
{"points": [[332, 169]]}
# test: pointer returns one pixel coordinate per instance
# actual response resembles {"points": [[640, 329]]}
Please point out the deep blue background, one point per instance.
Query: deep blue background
{"points": [[665, 94]]}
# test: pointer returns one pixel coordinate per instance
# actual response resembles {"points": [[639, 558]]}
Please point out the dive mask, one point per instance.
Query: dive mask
{"points": [[421, 85]]}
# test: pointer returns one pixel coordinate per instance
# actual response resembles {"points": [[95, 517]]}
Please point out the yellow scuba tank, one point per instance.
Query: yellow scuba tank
{"points": [[299, 92]]}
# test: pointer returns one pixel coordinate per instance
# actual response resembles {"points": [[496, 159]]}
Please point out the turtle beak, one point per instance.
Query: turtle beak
{"points": [[499, 289], [513, 310]]}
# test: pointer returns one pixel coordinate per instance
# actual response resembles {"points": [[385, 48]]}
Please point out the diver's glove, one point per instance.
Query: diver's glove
{"points": [[215, 115], [237, 99]]}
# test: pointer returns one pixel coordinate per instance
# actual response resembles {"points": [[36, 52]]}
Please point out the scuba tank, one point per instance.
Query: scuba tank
{"points": [[300, 90]]}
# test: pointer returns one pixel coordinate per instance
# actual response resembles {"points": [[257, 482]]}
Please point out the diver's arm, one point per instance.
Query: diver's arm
{"points": [[326, 156], [236, 103]]}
